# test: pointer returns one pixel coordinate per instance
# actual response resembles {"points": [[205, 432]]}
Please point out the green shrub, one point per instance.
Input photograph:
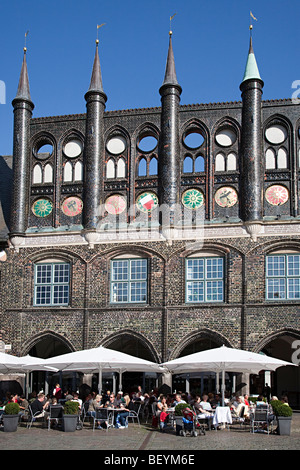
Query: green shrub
{"points": [[280, 409], [179, 408], [71, 408], [12, 409]]}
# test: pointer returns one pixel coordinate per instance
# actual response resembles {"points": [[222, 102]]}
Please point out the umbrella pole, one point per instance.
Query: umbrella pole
{"points": [[120, 381], [100, 380], [223, 387]]}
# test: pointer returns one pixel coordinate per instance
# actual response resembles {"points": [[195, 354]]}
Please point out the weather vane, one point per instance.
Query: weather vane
{"points": [[171, 17], [251, 26], [26, 34], [98, 27]]}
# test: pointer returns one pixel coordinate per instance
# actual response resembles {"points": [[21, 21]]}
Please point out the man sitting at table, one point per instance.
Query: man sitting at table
{"points": [[112, 402], [178, 399], [39, 405]]}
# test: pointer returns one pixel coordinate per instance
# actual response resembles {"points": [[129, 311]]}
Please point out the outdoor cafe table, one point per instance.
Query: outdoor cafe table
{"points": [[222, 415]]}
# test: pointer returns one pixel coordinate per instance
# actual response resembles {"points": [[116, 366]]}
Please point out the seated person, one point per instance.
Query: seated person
{"points": [[39, 405], [112, 402], [178, 399], [121, 416], [205, 404], [77, 400]]}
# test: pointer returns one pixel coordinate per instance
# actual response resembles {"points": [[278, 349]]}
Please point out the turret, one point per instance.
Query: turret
{"points": [[252, 167], [169, 169], [23, 107], [94, 146]]}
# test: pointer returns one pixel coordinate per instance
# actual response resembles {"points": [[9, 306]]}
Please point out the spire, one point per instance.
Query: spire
{"points": [[251, 70], [23, 88], [170, 73], [96, 79]]}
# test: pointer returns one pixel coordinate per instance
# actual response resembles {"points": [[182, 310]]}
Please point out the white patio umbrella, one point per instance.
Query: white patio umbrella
{"points": [[224, 359], [25, 364], [100, 360]]}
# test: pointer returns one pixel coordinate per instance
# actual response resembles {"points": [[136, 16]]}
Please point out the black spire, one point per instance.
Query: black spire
{"points": [[96, 79], [23, 87], [170, 73]]}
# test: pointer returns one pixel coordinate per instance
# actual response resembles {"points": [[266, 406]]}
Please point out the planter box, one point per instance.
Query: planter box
{"points": [[70, 423], [10, 422], [284, 425]]}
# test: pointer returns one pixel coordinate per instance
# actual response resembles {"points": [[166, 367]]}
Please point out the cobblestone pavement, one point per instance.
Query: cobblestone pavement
{"points": [[145, 438]]}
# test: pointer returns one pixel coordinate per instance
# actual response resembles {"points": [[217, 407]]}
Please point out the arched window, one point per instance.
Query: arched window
{"points": [[220, 162], [231, 162], [110, 169], [199, 164], [283, 276], [51, 283], [121, 168], [48, 173], [153, 166], [37, 174], [188, 165], [204, 278], [129, 277], [78, 172], [282, 158], [270, 160], [142, 170], [68, 172]]}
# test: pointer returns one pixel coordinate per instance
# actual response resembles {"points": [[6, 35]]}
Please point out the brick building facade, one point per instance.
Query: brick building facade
{"points": [[157, 231]]}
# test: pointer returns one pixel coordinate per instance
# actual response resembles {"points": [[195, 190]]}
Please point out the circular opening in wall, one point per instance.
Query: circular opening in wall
{"points": [[225, 137], [276, 134], [116, 145], [44, 151], [73, 148], [193, 140], [147, 144]]}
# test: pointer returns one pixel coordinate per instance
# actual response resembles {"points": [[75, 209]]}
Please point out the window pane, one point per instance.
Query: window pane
{"points": [[275, 288], [293, 262], [214, 268], [138, 292], [214, 291], [43, 273], [138, 269], [293, 288], [120, 270], [43, 295], [195, 291], [61, 295], [61, 273], [276, 266], [120, 292], [195, 268]]}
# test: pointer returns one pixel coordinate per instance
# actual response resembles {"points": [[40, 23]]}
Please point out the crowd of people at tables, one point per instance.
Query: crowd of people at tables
{"points": [[125, 402]]}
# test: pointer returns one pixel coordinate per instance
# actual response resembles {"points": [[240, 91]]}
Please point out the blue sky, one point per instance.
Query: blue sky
{"points": [[210, 41]]}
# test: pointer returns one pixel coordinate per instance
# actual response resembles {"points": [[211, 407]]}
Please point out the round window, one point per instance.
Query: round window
{"points": [[116, 145], [73, 149]]}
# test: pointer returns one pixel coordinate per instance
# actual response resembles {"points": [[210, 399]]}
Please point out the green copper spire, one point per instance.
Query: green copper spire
{"points": [[251, 71]]}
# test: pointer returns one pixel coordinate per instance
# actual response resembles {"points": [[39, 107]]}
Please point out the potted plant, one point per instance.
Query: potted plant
{"points": [[70, 416], [11, 417], [178, 416], [283, 415]]}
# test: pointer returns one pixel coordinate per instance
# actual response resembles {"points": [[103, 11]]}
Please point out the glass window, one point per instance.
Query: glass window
{"points": [[283, 277], [51, 285], [129, 280], [205, 279]]}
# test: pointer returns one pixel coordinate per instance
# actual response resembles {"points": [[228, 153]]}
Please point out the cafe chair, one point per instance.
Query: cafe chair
{"points": [[260, 421], [103, 415], [56, 414], [33, 417], [134, 415]]}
